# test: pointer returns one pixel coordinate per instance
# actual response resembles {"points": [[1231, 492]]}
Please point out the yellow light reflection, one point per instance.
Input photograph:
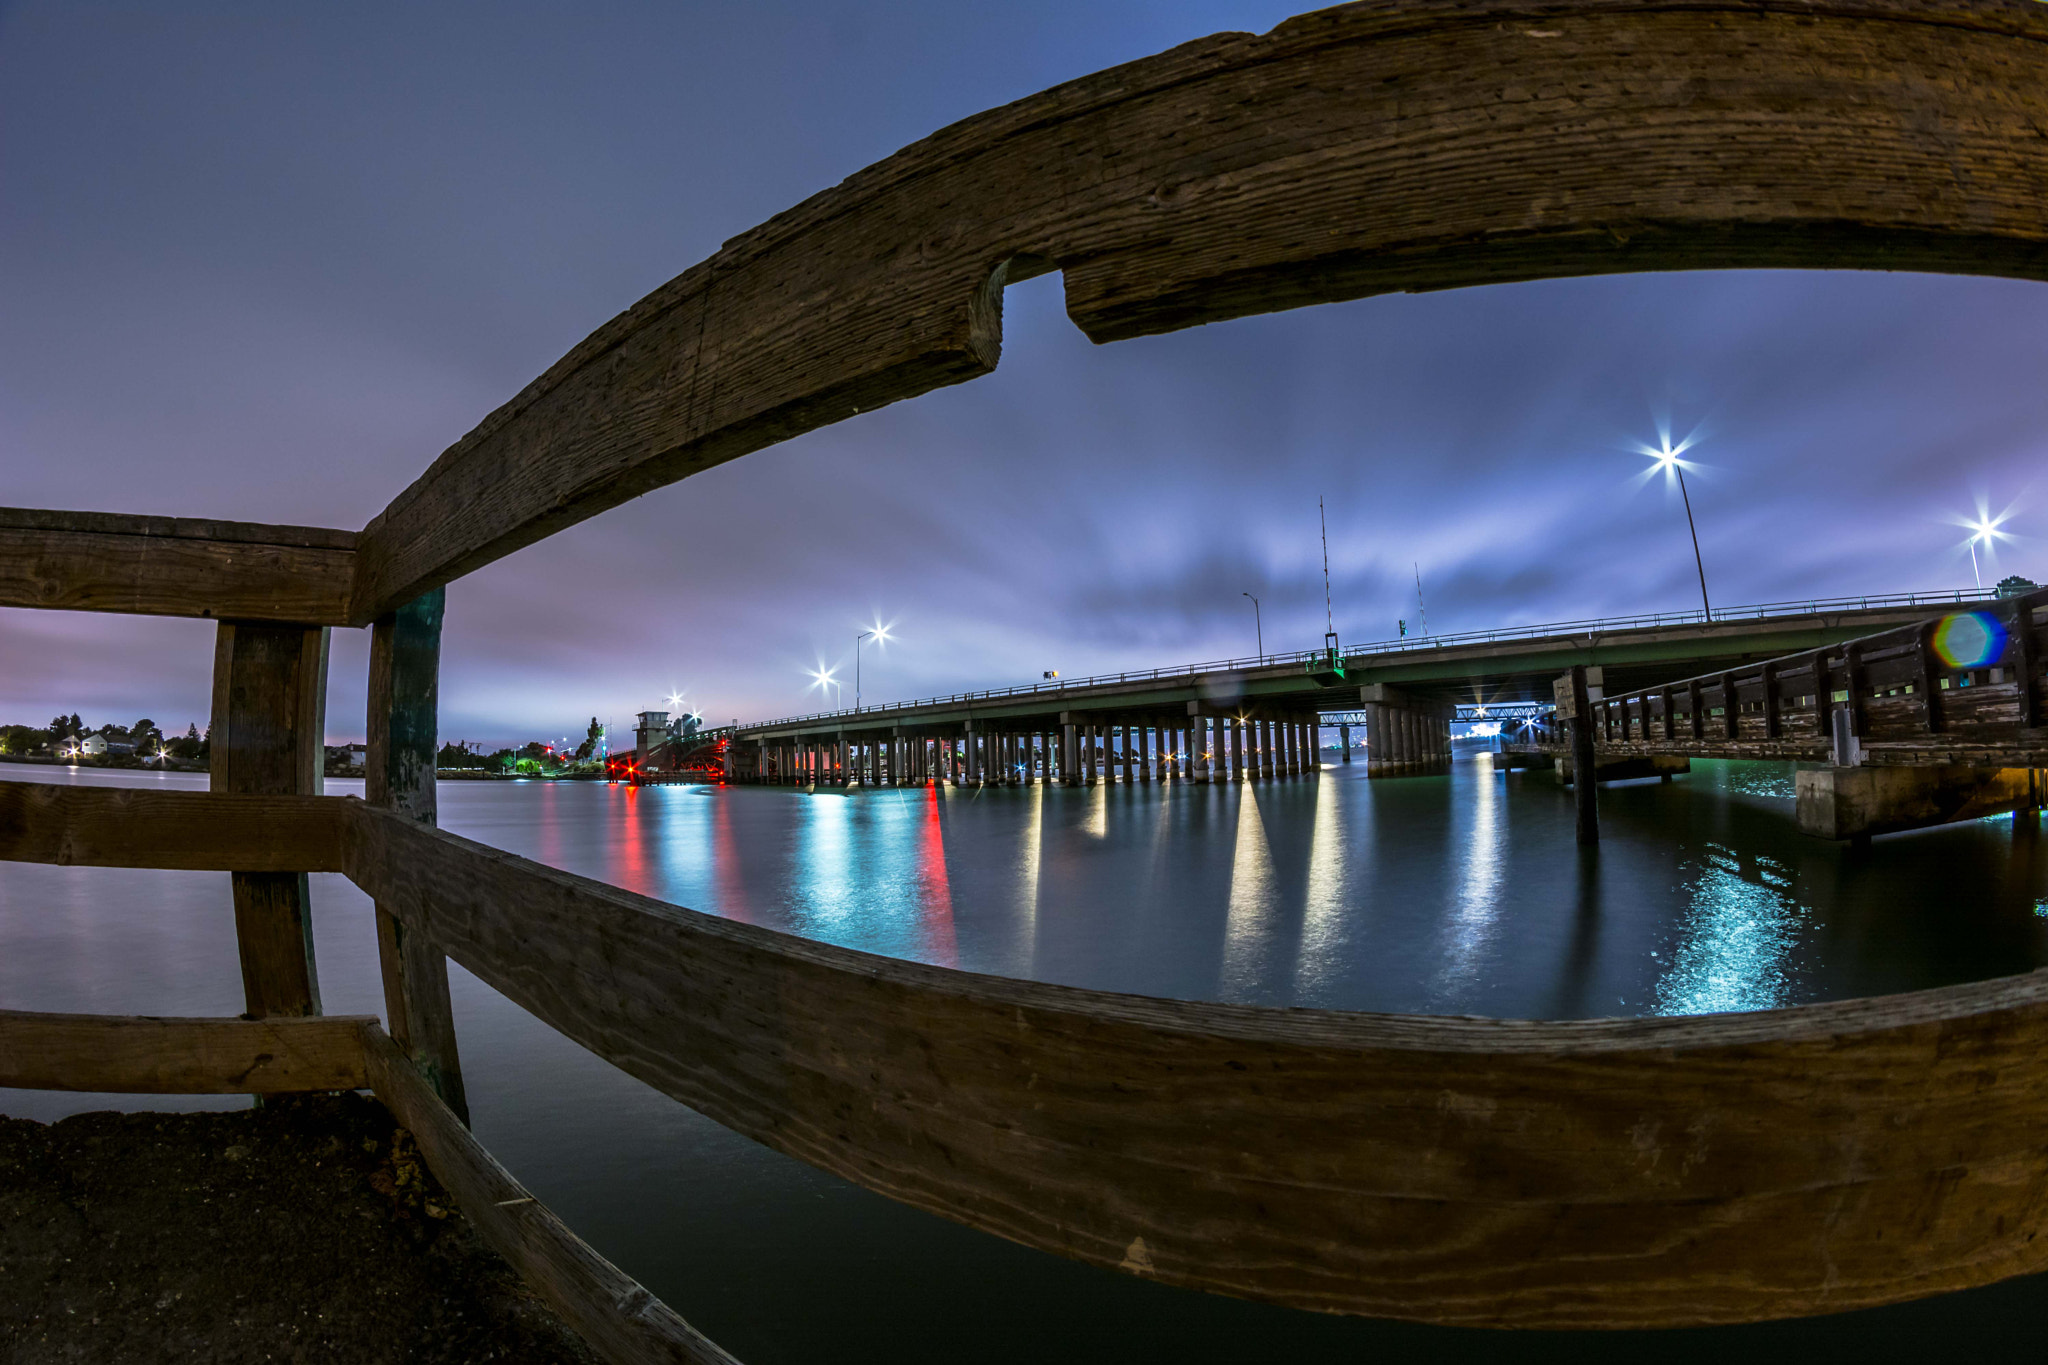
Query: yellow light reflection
{"points": [[1474, 914], [1097, 822], [1027, 881], [1322, 921], [1248, 922]]}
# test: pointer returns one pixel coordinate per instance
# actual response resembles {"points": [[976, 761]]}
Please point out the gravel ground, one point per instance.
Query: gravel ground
{"points": [[306, 1230]]}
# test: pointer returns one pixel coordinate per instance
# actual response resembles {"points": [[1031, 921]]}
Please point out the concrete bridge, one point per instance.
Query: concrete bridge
{"points": [[1261, 717]]}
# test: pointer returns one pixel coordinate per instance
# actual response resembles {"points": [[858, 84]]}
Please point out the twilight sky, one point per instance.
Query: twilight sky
{"points": [[265, 262]]}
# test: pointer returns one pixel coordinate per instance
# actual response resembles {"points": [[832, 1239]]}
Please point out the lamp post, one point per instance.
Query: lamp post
{"points": [[1986, 530], [1668, 461], [881, 635], [1258, 626]]}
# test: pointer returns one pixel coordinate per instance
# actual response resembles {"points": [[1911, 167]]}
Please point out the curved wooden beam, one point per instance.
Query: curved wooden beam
{"points": [[1372, 148], [1604, 1173]]}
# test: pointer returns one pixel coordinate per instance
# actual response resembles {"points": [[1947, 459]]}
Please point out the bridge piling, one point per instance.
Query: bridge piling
{"points": [[1585, 786]]}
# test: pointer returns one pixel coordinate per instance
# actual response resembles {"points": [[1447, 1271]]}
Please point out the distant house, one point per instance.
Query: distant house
{"points": [[358, 758], [93, 746]]}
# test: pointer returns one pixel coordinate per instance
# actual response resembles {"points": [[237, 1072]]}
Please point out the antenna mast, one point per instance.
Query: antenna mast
{"points": [[1329, 621]]}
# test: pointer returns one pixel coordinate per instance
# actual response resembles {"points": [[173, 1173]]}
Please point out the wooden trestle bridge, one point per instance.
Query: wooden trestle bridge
{"points": [[1514, 1173]]}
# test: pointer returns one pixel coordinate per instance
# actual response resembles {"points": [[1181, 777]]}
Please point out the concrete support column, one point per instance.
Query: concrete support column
{"points": [[1070, 755], [1290, 746], [1344, 742]]}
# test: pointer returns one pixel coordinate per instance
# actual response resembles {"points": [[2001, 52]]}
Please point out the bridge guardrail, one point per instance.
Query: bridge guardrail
{"points": [[1417, 643]]}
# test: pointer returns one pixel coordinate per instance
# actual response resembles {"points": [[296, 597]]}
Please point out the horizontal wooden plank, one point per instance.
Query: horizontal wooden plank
{"points": [[1353, 151], [618, 1318], [141, 1055], [48, 822], [1609, 1173], [175, 528], [168, 566]]}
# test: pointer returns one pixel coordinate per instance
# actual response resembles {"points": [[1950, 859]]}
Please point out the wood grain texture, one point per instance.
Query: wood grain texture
{"points": [[174, 566], [618, 1318], [41, 822], [269, 722], [1609, 1173], [137, 1055], [1353, 151], [404, 702]]}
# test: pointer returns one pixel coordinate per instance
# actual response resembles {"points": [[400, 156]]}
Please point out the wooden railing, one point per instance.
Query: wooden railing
{"points": [[1903, 699], [1511, 1173]]}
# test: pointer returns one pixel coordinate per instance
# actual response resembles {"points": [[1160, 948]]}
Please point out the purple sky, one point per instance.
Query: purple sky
{"points": [[265, 262]]}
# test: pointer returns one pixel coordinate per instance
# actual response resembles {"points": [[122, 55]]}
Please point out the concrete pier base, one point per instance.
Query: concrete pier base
{"points": [[1855, 803]]}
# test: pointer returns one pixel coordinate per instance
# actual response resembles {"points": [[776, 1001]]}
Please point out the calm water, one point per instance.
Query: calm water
{"points": [[1459, 895]]}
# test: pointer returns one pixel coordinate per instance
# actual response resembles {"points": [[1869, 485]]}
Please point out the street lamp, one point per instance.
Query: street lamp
{"points": [[1258, 626], [881, 633], [1668, 462], [1986, 530]]}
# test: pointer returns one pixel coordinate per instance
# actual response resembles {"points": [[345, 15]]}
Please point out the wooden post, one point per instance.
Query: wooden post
{"points": [[1697, 702], [1670, 715], [2027, 659], [269, 721], [404, 714], [1771, 711], [1852, 683], [1731, 705], [1583, 784], [1823, 698], [1930, 681]]}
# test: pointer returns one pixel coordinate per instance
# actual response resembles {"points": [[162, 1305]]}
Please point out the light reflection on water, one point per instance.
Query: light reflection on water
{"points": [[1736, 941], [1463, 894]]}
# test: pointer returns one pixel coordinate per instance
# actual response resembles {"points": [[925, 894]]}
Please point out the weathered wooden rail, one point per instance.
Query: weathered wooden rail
{"points": [[1906, 696], [1600, 1173], [1920, 725]]}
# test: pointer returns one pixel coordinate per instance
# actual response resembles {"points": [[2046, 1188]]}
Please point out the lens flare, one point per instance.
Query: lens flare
{"points": [[1970, 639]]}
